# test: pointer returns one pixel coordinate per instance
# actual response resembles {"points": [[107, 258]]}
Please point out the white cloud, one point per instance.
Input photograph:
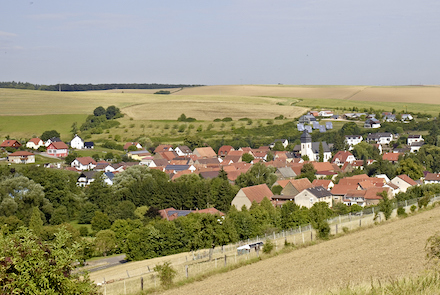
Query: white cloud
{"points": [[7, 34]]}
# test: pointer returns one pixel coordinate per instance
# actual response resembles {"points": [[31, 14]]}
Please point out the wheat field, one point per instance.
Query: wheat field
{"points": [[391, 250]]}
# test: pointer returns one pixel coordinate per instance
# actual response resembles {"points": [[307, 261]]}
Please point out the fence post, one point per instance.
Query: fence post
{"points": [[127, 273], [303, 237], [186, 271], [311, 236], [336, 228], [225, 260], [360, 222], [142, 283]]}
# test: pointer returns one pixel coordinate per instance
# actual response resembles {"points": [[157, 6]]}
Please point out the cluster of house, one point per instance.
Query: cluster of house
{"points": [[361, 190], [370, 119], [54, 147], [181, 160]]}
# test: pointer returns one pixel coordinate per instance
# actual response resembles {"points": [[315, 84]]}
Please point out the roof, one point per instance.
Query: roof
{"points": [[163, 148], [59, 145], [286, 172], [9, 143], [185, 149], [209, 174], [432, 176], [224, 150], [205, 152], [322, 166], [341, 189], [257, 192], [129, 144], [342, 156], [393, 157], [20, 154], [322, 182], [35, 140], [319, 192], [209, 211], [407, 179], [86, 160], [177, 167]]}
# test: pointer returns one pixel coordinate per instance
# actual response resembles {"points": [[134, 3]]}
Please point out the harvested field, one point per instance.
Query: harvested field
{"points": [[390, 250], [207, 108], [275, 91]]}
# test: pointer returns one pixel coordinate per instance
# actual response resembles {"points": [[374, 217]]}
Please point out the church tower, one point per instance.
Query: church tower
{"points": [[306, 145]]}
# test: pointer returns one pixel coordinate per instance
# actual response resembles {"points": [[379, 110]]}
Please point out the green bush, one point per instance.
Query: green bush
{"points": [[166, 273], [268, 247], [413, 208], [401, 212]]}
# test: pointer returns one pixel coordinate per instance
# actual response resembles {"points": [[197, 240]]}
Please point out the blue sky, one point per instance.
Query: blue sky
{"points": [[337, 42]]}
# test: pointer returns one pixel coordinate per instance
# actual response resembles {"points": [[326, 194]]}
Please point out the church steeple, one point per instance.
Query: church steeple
{"points": [[306, 145], [306, 137]]}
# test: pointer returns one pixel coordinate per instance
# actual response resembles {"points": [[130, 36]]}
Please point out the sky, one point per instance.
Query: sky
{"points": [[296, 42]]}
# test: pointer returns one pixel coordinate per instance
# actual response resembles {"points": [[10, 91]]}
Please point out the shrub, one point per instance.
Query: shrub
{"points": [[268, 247], [413, 208], [432, 248], [217, 120], [345, 229], [162, 92], [166, 273], [424, 201], [280, 117], [401, 212], [227, 119]]}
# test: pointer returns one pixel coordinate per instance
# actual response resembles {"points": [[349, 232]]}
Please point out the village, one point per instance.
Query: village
{"points": [[326, 163]]}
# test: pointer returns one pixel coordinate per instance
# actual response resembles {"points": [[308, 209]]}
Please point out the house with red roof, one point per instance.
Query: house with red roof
{"points": [[366, 197], [247, 195], [205, 152], [224, 150], [34, 143], [342, 157], [11, 143], [326, 183], [84, 163], [21, 157], [392, 157], [431, 178], [403, 182], [137, 145], [163, 148], [57, 149]]}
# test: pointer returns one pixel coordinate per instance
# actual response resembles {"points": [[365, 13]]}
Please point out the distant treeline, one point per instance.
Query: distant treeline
{"points": [[86, 87]]}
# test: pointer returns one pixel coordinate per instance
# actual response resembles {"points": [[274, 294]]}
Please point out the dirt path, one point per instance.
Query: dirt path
{"points": [[385, 251]]}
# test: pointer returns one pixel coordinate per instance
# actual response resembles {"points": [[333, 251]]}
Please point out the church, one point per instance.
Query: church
{"points": [[311, 149]]}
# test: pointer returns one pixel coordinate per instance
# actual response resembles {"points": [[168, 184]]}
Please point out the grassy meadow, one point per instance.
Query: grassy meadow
{"points": [[28, 113]]}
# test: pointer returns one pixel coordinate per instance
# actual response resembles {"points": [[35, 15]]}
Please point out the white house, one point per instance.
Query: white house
{"points": [[83, 163], [380, 138], [353, 140], [431, 178], [414, 138], [325, 113], [406, 117], [313, 195], [183, 150], [34, 143], [372, 123], [77, 143], [342, 157], [403, 182]]}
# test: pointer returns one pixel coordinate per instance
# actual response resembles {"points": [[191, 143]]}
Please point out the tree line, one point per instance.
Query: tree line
{"points": [[88, 87]]}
